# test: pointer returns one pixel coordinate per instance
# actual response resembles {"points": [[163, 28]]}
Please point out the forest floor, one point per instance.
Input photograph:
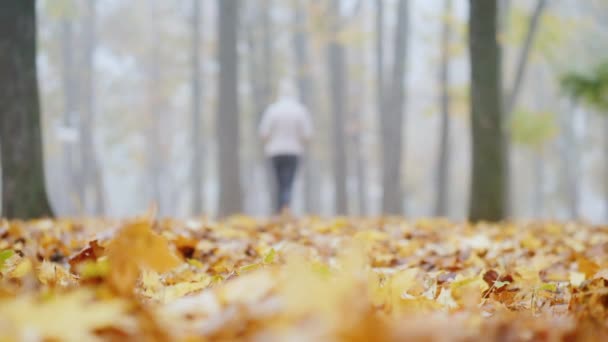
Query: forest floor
{"points": [[308, 279]]}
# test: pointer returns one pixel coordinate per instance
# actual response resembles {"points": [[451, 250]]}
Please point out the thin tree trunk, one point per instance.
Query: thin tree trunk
{"points": [[90, 168], [305, 86], [567, 148], [392, 119], [337, 74], [197, 149], [254, 158], [487, 181], [358, 145], [260, 64], [513, 94], [539, 183], [380, 57], [268, 84], [154, 145], [360, 169], [268, 66], [230, 196], [72, 198], [23, 189], [443, 164], [524, 57]]}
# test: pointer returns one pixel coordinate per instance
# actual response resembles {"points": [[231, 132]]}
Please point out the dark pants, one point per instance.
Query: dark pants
{"points": [[285, 171]]}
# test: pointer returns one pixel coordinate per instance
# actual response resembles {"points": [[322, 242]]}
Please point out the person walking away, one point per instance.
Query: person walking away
{"points": [[285, 130]]}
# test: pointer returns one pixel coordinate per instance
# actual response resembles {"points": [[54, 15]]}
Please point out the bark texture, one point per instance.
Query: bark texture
{"points": [[487, 180], [443, 163], [23, 189], [337, 64], [392, 117], [196, 172], [230, 195]]}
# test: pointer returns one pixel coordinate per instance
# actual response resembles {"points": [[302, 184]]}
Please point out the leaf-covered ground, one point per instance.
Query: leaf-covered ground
{"points": [[309, 279]]}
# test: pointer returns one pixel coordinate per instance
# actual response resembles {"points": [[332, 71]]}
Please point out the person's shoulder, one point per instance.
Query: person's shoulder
{"points": [[296, 104]]}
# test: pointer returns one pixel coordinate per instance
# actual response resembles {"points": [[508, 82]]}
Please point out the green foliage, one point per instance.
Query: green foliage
{"points": [[60, 9], [270, 256], [532, 129], [5, 255], [592, 89], [553, 33]]}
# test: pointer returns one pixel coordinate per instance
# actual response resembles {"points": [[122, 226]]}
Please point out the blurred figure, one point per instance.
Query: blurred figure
{"points": [[285, 130]]}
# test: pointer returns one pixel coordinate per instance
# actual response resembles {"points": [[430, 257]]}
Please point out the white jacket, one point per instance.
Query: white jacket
{"points": [[285, 127]]}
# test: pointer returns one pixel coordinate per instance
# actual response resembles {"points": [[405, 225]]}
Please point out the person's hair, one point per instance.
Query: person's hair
{"points": [[286, 88]]}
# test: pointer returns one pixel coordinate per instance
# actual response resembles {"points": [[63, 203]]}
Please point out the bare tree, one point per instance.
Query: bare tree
{"points": [[230, 197], [392, 116], [155, 102], [357, 134], [443, 163], [305, 87], [380, 56], [513, 93], [591, 90], [23, 189], [524, 57], [259, 34], [487, 181], [197, 148], [73, 198], [336, 62], [90, 169]]}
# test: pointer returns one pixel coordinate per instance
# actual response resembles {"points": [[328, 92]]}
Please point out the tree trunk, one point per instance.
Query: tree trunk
{"points": [[443, 164], [392, 119], [511, 100], [539, 183], [259, 36], [90, 168], [305, 87], [337, 74], [230, 197], [23, 189], [197, 149], [72, 198], [568, 153], [487, 180], [358, 142], [524, 57], [380, 56], [154, 146], [268, 84]]}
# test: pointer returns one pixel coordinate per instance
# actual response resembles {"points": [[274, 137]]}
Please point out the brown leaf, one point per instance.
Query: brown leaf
{"points": [[89, 253]]}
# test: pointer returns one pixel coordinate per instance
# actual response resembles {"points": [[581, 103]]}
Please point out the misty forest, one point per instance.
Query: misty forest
{"points": [[442, 163], [157, 102]]}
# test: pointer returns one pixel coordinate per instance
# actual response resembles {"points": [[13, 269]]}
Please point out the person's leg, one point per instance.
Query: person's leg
{"points": [[277, 166], [291, 165], [283, 182]]}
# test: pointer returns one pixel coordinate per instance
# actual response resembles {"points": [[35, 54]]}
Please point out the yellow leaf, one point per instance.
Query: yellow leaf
{"points": [[587, 266], [577, 278], [134, 248], [70, 317], [23, 268]]}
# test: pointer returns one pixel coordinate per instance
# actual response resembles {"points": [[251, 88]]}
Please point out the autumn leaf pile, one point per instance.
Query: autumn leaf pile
{"points": [[308, 279]]}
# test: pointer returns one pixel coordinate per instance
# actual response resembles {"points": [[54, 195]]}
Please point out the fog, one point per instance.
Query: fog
{"points": [[125, 117]]}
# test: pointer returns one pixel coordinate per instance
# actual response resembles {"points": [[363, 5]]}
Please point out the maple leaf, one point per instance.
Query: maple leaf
{"points": [[134, 248]]}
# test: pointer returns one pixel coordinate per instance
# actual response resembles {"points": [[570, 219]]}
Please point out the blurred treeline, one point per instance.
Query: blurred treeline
{"points": [[135, 108]]}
